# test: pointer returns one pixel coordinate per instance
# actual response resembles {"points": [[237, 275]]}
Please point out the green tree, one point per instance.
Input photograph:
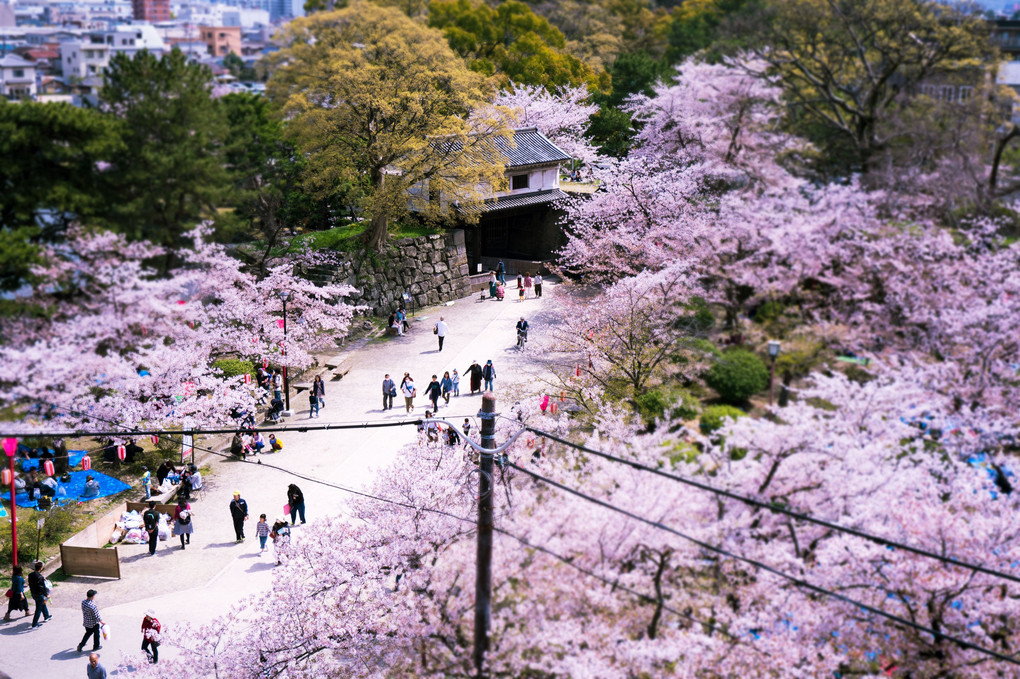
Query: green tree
{"points": [[378, 101], [238, 67], [611, 128], [702, 24], [52, 155], [512, 40], [171, 174], [846, 64]]}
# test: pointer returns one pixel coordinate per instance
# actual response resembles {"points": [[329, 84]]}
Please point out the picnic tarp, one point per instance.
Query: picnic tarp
{"points": [[72, 490]]}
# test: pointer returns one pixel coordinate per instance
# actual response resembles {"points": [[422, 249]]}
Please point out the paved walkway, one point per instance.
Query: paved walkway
{"points": [[203, 581]]}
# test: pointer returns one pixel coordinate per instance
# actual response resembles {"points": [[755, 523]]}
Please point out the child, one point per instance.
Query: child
{"points": [[275, 443], [456, 383], [262, 531], [313, 405], [520, 292]]}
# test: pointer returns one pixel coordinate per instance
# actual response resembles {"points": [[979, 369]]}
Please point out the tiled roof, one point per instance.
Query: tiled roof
{"points": [[530, 147], [522, 200]]}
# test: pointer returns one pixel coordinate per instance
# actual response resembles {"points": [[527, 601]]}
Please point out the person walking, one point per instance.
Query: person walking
{"points": [[91, 620], [538, 285], [489, 375], [281, 537], [475, 374], [313, 405], [446, 384], [150, 636], [456, 382], [501, 272], [183, 524], [239, 514], [17, 602], [296, 500], [93, 670], [528, 282], [319, 389], [389, 390], [433, 392], [262, 532], [441, 331], [150, 519], [409, 392], [37, 586]]}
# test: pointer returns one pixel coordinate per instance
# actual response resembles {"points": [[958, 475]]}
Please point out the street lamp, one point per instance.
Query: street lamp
{"points": [[774, 347], [284, 295], [11, 447]]}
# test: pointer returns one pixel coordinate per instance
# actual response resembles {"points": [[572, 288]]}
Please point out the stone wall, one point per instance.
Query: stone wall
{"points": [[432, 269]]}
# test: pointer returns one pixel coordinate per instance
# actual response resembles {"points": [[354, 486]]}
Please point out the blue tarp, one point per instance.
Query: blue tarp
{"points": [[70, 491], [73, 460]]}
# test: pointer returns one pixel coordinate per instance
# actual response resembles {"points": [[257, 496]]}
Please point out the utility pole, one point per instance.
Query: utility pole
{"points": [[483, 574]]}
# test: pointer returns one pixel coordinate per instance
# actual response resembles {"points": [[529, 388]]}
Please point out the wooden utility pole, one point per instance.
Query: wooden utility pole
{"points": [[483, 575]]}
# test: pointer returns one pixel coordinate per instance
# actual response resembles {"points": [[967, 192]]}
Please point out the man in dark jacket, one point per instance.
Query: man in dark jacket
{"points": [[151, 520], [434, 391], [37, 586], [475, 373], [239, 513], [389, 390]]}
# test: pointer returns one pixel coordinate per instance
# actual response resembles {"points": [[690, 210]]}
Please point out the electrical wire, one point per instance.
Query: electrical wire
{"points": [[885, 542], [565, 560], [769, 569]]}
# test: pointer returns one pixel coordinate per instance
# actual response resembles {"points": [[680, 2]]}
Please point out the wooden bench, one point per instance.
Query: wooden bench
{"points": [[301, 386], [340, 365]]}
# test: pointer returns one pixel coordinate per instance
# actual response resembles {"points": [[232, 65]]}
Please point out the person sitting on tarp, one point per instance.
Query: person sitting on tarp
{"points": [[19, 483], [48, 487], [91, 487]]}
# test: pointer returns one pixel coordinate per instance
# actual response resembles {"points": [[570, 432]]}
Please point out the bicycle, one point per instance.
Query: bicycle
{"points": [[522, 339]]}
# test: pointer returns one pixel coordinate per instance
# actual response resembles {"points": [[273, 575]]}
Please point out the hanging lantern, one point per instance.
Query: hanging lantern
{"points": [[155, 439], [86, 463], [144, 331], [247, 378], [5, 477], [265, 363], [121, 453], [577, 373], [553, 407], [48, 468]]}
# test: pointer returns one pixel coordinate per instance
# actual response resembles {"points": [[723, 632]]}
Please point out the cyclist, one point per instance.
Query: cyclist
{"points": [[522, 332]]}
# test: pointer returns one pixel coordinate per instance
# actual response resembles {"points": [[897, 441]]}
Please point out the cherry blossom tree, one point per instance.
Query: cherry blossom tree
{"points": [[112, 340], [562, 116]]}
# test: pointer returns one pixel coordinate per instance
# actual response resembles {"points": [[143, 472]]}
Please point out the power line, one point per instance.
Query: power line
{"points": [[885, 542], [762, 566], [405, 505]]}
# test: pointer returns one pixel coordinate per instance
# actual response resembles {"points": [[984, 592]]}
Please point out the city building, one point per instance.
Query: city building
{"points": [[17, 78], [222, 40], [151, 10], [84, 60]]}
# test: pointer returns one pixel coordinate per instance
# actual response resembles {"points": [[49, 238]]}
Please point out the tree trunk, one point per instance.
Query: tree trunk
{"points": [[375, 237]]}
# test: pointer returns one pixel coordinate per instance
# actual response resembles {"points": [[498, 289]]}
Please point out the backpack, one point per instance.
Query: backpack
{"points": [[151, 519], [184, 517]]}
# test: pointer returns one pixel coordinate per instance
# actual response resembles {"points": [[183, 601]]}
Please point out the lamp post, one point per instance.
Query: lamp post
{"points": [[11, 447], [284, 295], [774, 347]]}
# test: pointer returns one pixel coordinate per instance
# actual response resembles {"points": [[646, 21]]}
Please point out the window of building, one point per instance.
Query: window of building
{"points": [[19, 73], [519, 181]]}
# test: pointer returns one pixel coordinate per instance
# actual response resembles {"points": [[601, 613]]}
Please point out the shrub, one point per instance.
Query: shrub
{"points": [[702, 320], [651, 404], [737, 376], [232, 367], [769, 311], [686, 407], [714, 417]]}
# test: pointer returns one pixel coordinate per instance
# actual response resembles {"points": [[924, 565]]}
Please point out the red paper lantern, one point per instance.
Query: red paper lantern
{"points": [[5, 477], [121, 453], [265, 363], [553, 407], [247, 378], [48, 468], [86, 463], [155, 439]]}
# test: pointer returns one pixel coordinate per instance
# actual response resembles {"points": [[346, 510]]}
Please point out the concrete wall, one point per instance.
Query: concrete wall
{"points": [[432, 269]]}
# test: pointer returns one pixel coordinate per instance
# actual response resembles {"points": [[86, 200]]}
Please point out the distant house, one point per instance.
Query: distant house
{"points": [[17, 78], [521, 222], [84, 61]]}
